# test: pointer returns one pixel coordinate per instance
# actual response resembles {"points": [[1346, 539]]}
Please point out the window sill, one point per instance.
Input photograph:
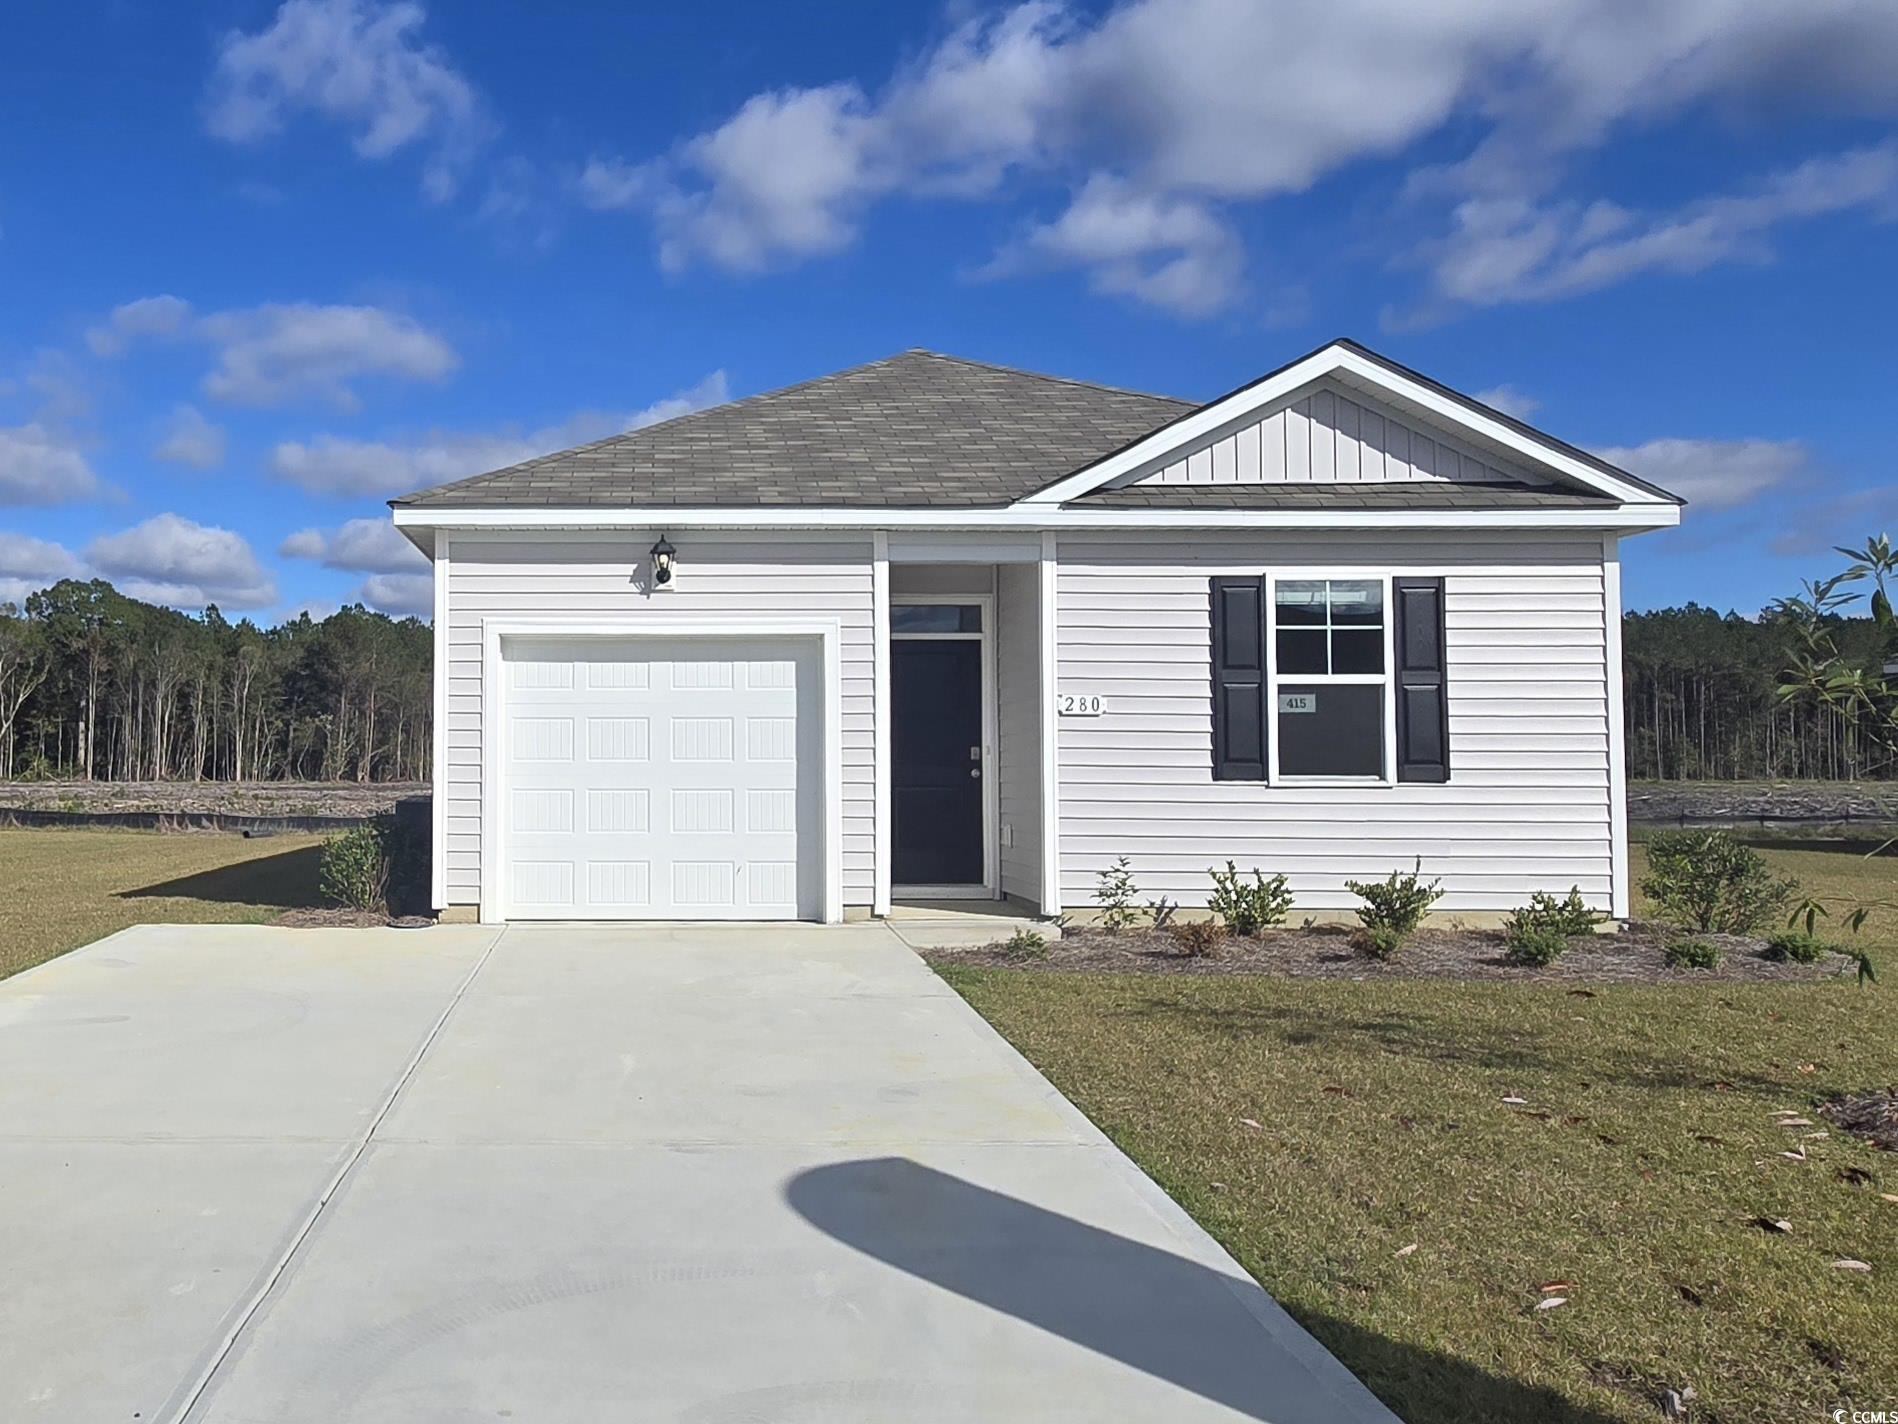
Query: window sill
{"points": [[1333, 781]]}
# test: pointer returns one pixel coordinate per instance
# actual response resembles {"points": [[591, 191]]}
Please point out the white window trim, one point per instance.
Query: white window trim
{"points": [[828, 632], [991, 886], [1388, 679]]}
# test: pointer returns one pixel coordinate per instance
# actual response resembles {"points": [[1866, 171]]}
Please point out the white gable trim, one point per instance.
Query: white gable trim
{"points": [[1353, 369]]}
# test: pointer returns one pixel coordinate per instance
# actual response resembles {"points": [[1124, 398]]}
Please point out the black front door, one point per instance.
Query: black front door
{"points": [[936, 761]]}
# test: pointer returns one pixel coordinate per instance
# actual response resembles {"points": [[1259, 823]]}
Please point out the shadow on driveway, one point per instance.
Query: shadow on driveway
{"points": [[1150, 1309]]}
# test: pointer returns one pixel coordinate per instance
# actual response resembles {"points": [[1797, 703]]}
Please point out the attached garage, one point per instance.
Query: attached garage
{"points": [[672, 773]]}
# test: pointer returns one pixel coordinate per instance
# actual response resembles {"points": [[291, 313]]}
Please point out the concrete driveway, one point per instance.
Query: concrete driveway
{"points": [[581, 1174]]}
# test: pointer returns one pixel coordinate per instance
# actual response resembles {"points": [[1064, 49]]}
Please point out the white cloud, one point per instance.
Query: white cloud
{"points": [[360, 64], [1713, 474], [333, 465], [370, 546], [160, 316], [1510, 401], [191, 440], [400, 595], [609, 184], [41, 465], [1197, 104], [174, 560], [1510, 249], [28, 564], [278, 352], [270, 354], [1170, 252]]}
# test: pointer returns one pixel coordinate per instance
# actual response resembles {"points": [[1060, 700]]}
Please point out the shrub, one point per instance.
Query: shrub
{"points": [[1396, 904], [1691, 954], [354, 869], [1163, 910], [1796, 947], [1566, 917], [1377, 941], [1116, 895], [1197, 939], [1707, 880], [1026, 944], [1247, 909], [1535, 946]]}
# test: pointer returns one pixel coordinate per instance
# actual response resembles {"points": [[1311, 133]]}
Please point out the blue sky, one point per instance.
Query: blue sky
{"points": [[264, 265]]}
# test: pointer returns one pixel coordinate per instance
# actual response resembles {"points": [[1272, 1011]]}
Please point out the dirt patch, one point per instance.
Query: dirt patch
{"points": [[233, 798], [1872, 1116], [336, 918], [1325, 952]]}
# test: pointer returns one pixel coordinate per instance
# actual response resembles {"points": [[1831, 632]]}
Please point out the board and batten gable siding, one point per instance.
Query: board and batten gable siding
{"points": [[729, 576], [1331, 436], [1527, 804]]}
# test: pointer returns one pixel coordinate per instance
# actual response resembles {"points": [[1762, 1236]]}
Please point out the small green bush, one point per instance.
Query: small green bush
{"points": [[1396, 904], [1567, 916], [1116, 895], [1708, 880], [1377, 941], [1534, 946], [1198, 939], [1796, 947], [1162, 911], [1026, 944], [1247, 909], [1691, 954], [354, 868]]}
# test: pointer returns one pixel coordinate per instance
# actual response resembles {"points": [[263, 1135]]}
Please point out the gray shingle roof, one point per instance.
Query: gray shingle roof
{"points": [[919, 429], [1395, 494]]}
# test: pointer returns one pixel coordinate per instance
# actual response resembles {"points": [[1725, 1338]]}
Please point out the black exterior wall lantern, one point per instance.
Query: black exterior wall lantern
{"points": [[664, 561]]}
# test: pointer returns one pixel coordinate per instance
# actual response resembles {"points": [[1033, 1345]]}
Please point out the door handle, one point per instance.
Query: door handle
{"points": [[975, 772]]}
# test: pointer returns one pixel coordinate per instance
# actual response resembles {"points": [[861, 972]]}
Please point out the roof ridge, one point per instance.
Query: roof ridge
{"points": [[1045, 376]]}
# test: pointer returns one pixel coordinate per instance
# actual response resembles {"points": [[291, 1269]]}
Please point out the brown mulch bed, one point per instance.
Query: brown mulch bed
{"points": [[332, 918], [1872, 1116], [1325, 952]]}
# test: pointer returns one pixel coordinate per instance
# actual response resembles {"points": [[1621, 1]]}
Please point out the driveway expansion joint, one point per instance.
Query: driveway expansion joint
{"points": [[279, 1271]]}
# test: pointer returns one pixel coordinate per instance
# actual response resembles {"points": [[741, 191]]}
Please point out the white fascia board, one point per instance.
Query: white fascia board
{"points": [[1368, 375], [1646, 514]]}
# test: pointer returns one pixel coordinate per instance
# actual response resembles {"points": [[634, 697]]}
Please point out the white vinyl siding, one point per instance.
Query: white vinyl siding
{"points": [[1018, 670], [1527, 804], [732, 576], [1330, 436]]}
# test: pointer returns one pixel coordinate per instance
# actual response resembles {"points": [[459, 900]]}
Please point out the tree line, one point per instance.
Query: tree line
{"points": [[98, 686], [1702, 699]]}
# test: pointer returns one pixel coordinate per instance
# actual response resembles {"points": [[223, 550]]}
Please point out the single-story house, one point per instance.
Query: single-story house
{"points": [[935, 628]]}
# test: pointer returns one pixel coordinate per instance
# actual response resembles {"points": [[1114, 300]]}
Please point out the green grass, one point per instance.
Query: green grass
{"points": [[61, 889], [1635, 1170]]}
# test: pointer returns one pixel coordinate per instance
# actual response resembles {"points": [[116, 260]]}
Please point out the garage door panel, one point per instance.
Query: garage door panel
{"points": [[646, 778]]}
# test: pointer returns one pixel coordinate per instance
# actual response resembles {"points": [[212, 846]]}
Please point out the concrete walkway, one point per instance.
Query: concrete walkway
{"points": [[580, 1174]]}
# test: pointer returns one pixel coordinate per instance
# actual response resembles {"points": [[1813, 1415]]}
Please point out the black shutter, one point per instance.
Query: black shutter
{"points": [[1239, 723], [1423, 709]]}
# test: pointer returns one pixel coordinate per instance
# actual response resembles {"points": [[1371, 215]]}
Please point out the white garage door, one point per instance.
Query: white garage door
{"points": [[661, 778]]}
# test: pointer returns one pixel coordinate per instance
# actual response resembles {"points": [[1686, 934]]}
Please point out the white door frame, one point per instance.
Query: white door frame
{"points": [[991, 886], [828, 632]]}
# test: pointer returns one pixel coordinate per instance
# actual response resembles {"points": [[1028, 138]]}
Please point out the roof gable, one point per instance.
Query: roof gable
{"points": [[1469, 442]]}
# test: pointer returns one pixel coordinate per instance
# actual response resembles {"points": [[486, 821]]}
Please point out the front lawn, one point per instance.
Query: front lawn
{"points": [[60, 889], [1412, 1167]]}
